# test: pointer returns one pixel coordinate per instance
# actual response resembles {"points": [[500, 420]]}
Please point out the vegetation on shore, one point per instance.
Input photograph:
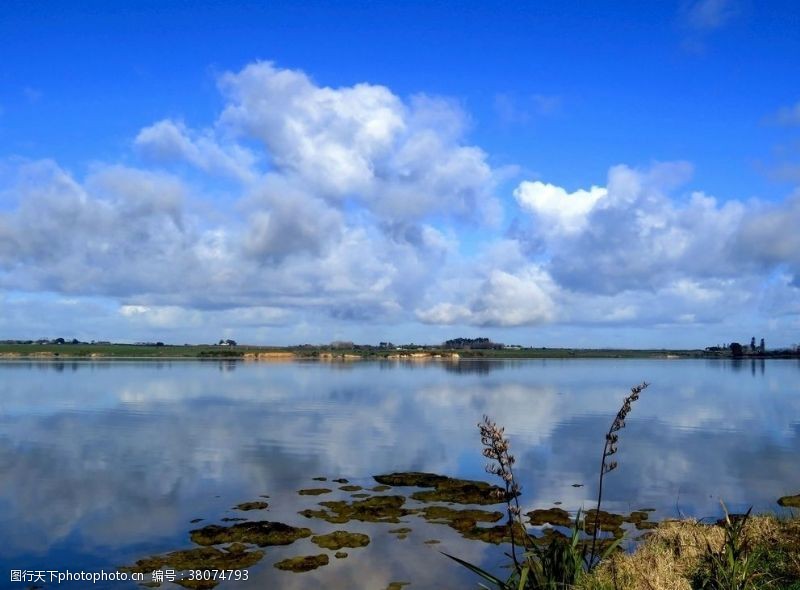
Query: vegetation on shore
{"points": [[688, 554], [328, 353]]}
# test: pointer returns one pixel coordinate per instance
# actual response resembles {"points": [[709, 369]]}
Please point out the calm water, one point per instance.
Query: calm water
{"points": [[104, 463]]}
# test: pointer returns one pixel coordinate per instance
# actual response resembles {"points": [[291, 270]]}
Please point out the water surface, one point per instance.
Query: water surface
{"points": [[103, 463]]}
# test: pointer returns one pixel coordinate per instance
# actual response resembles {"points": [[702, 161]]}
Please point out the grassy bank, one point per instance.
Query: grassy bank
{"points": [[686, 555]]}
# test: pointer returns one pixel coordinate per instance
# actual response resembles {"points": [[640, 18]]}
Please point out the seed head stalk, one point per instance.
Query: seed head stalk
{"points": [[609, 449], [496, 448]]}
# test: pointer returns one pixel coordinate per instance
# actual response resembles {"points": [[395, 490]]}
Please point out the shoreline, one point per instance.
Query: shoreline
{"points": [[252, 354]]}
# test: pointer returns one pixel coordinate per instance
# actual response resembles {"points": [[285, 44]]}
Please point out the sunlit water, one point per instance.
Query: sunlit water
{"points": [[103, 463]]}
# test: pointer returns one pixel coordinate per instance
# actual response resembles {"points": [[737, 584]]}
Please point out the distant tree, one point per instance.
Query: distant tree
{"points": [[230, 342], [736, 349], [59, 341], [159, 344]]}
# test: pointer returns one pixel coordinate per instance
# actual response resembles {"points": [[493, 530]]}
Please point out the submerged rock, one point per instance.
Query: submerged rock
{"points": [[553, 516], [351, 488], [445, 489], [375, 509], [261, 533], [606, 521], [401, 533], [340, 555], [234, 557], [410, 478], [458, 519], [251, 506], [314, 491], [790, 501], [304, 563], [339, 539]]}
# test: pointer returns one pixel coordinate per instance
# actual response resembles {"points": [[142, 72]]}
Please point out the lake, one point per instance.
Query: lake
{"points": [[105, 463]]}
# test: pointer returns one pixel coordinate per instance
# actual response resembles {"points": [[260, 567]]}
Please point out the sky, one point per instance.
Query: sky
{"points": [[597, 174]]}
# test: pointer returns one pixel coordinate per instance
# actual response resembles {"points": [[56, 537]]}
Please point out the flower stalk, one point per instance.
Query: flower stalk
{"points": [[609, 449]]}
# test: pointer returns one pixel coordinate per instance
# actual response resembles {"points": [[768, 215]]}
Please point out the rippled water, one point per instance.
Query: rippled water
{"points": [[103, 463]]}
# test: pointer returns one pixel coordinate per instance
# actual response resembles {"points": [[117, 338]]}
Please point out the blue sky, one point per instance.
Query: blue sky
{"points": [[293, 172]]}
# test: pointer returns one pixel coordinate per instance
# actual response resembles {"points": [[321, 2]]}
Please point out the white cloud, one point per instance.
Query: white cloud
{"points": [[167, 141], [558, 210], [401, 159], [356, 205]]}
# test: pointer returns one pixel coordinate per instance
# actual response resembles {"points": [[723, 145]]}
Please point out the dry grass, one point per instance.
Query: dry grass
{"points": [[672, 554]]}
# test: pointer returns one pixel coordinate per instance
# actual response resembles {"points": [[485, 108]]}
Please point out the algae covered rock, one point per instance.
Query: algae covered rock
{"points": [[445, 489], [314, 491], [339, 539], [375, 509], [251, 506], [553, 516], [790, 501], [235, 557], [304, 563], [261, 533]]}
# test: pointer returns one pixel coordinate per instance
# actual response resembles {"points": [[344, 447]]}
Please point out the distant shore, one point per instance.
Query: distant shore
{"points": [[358, 353]]}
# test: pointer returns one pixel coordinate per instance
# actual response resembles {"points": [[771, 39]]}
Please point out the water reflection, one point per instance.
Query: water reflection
{"points": [[103, 463]]}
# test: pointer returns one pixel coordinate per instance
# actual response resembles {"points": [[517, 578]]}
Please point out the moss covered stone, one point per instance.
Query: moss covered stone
{"points": [[199, 558], [606, 521], [790, 501], [351, 488], [314, 491], [251, 506], [553, 516], [338, 539], [262, 533], [375, 509], [304, 563], [445, 489]]}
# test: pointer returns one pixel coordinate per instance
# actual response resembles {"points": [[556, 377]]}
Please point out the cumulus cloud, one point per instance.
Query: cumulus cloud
{"points": [[401, 159], [168, 141], [501, 299], [633, 234], [359, 205], [559, 211]]}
